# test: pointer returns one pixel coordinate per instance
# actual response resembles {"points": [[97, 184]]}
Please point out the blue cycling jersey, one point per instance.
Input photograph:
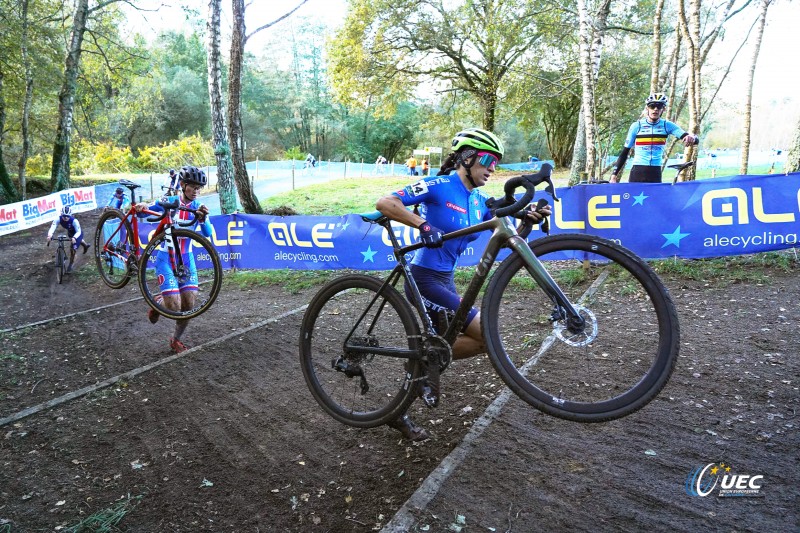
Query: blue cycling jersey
{"points": [[649, 140], [447, 204], [117, 201]]}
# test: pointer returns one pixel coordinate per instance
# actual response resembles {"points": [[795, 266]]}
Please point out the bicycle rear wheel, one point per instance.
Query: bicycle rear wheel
{"points": [[361, 389], [616, 364], [114, 249], [61, 258], [196, 271]]}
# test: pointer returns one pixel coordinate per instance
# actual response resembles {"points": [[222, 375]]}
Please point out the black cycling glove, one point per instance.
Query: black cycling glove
{"points": [[431, 236]]}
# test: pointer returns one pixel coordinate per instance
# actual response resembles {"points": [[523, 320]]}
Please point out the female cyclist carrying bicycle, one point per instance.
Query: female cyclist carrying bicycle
{"points": [[449, 201], [180, 294]]}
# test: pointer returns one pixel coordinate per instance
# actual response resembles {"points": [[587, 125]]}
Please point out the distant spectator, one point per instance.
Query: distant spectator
{"points": [[412, 166], [311, 161], [425, 167]]}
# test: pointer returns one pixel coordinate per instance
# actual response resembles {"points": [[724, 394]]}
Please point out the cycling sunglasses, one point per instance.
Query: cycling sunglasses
{"points": [[655, 106], [487, 160]]}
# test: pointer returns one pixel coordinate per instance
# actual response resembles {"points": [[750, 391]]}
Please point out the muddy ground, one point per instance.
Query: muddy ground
{"points": [[228, 438]]}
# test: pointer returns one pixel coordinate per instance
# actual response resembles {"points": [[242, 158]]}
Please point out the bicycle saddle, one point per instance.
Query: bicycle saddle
{"points": [[129, 184], [681, 166]]}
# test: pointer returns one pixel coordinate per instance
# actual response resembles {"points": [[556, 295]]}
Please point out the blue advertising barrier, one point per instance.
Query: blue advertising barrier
{"points": [[709, 218]]}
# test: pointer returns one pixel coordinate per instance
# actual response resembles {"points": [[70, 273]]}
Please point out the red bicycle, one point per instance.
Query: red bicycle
{"points": [[190, 257]]}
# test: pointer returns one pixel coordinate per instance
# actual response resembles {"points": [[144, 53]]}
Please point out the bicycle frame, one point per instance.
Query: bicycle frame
{"points": [[135, 230], [503, 233]]}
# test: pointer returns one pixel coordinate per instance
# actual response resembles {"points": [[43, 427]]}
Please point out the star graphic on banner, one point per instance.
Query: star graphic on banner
{"points": [[640, 199], [344, 226], [674, 237], [368, 255]]}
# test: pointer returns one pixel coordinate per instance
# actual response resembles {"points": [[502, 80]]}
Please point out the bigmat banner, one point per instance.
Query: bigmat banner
{"points": [[724, 216], [30, 213]]}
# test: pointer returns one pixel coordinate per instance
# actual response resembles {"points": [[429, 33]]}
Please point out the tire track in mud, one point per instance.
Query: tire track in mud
{"points": [[135, 372]]}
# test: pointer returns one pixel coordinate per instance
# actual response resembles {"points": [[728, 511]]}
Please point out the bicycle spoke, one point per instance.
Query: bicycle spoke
{"points": [[357, 386], [610, 367], [180, 278]]}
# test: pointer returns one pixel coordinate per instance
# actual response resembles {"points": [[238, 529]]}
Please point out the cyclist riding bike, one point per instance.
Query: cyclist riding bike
{"points": [[68, 221], [648, 136], [117, 200], [172, 185], [180, 294], [449, 201]]}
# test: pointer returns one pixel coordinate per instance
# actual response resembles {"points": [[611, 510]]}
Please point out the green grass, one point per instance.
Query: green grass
{"points": [[293, 281], [359, 195], [733, 269], [106, 520]]}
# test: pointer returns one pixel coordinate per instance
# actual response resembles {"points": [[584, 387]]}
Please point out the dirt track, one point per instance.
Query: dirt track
{"points": [[229, 439]]}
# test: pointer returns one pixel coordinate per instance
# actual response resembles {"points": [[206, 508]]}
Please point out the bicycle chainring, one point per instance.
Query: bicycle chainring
{"points": [[577, 338]]}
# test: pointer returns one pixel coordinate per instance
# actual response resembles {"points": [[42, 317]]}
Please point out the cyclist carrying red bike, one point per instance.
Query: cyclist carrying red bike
{"points": [[68, 221], [180, 294], [450, 201]]}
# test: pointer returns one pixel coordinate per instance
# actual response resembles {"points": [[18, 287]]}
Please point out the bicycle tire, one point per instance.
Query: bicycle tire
{"points": [[207, 284], [333, 313], [113, 248], [593, 376], [61, 257]]}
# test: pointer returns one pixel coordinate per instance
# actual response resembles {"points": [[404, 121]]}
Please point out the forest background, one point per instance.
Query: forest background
{"points": [[351, 80]]}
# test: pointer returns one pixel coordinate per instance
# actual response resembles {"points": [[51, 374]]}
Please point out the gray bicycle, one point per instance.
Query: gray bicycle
{"points": [[592, 336]]}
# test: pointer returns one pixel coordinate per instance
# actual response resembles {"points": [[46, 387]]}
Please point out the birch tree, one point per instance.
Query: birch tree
{"points": [[793, 154], [587, 83], [239, 39], [579, 152], [748, 98], [219, 133]]}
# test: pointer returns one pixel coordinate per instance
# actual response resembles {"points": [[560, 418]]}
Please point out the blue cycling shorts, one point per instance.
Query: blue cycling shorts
{"points": [[170, 284], [438, 292]]}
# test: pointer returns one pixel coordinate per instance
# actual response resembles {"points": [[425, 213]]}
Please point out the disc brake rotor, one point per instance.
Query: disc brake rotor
{"points": [[580, 338]]}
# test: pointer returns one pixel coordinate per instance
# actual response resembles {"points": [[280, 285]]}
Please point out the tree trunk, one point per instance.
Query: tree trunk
{"points": [[9, 190], [748, 99], [587, 83], [578, 165], [59, 175], [656, 66], [690, 27], [793, 154], [235, 132], [222, 150], [26, 106]]}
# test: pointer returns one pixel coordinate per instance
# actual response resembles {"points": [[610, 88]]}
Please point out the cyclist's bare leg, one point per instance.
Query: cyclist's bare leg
{"points": [[470, 343], [187, 302]]}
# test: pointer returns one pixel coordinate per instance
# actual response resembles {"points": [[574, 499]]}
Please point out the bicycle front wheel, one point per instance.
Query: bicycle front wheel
{"points": [[61, 258], [358, 387], [608, 369], [180, 276], [114, 249]]}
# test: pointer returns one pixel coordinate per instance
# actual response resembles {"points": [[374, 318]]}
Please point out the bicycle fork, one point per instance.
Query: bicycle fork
{"points": [[563, 309]]}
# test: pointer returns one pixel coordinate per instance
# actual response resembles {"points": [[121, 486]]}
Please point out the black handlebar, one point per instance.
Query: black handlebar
{"points": [[170, 206], [509, 205]]}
